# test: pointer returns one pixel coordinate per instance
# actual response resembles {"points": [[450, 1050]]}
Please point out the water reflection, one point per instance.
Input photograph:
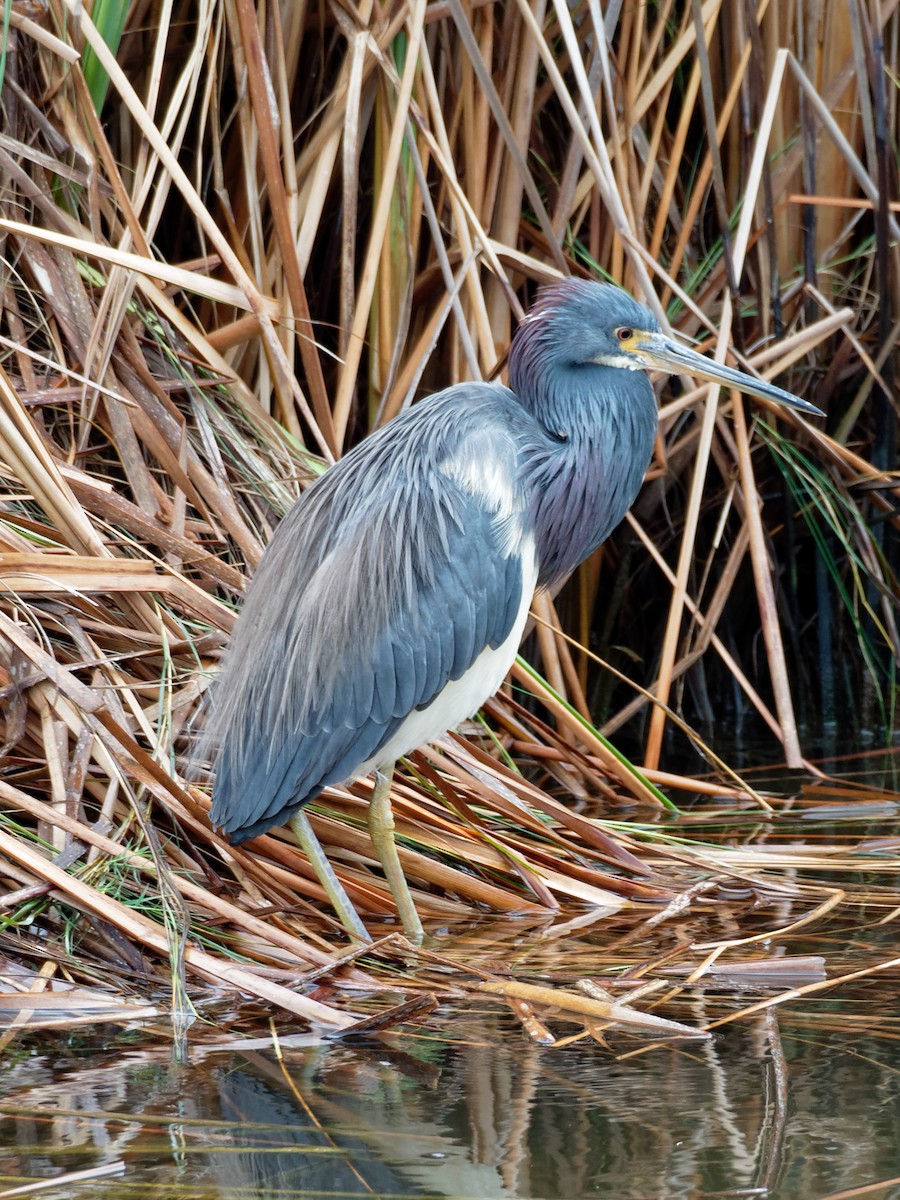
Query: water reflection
{"points": [[479, 1112]]}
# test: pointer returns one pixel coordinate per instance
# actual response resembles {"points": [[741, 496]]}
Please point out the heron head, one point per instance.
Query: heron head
{"points": [[577, 323]]}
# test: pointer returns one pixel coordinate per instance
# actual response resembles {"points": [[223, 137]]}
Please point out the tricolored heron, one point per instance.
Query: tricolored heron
{"points": [[390, 602]]}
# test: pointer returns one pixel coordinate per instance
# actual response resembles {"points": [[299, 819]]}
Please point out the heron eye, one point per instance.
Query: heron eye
{"points": [[624, 334]]}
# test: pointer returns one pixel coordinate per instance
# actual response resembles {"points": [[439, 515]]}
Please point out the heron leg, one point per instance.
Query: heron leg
{"points": [[381, 827], [334, 889]]}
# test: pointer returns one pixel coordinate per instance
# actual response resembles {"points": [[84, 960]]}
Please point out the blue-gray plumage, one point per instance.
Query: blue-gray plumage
{"points": [[390, 602]]}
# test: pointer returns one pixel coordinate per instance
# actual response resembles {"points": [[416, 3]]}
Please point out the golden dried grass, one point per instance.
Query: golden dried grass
{"points": [[288, 224]]}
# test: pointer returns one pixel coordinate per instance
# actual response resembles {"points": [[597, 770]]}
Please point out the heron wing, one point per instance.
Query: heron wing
{"points": [[384, 584]]}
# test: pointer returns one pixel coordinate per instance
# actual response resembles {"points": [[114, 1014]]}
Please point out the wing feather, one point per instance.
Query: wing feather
{"points": [[386, 581]]}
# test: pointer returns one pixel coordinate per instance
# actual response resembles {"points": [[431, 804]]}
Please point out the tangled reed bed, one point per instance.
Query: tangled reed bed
{"points": [[280, 229]]}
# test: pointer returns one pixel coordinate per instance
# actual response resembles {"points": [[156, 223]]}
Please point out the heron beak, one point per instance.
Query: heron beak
{"points": [[657, 350]]}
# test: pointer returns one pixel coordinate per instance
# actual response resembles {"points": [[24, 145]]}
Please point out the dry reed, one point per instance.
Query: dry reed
{"points": [[284, 225]]}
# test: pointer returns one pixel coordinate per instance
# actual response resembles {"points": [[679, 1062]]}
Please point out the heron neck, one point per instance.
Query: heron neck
{"points": [[598, 430]]}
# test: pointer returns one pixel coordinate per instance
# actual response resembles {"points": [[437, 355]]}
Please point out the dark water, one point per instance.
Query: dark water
{"points": [[478, 1113], [798, 1103]]}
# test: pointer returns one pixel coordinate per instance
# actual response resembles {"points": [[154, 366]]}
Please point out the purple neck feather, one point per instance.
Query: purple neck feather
{"points": [[585, 459]]}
